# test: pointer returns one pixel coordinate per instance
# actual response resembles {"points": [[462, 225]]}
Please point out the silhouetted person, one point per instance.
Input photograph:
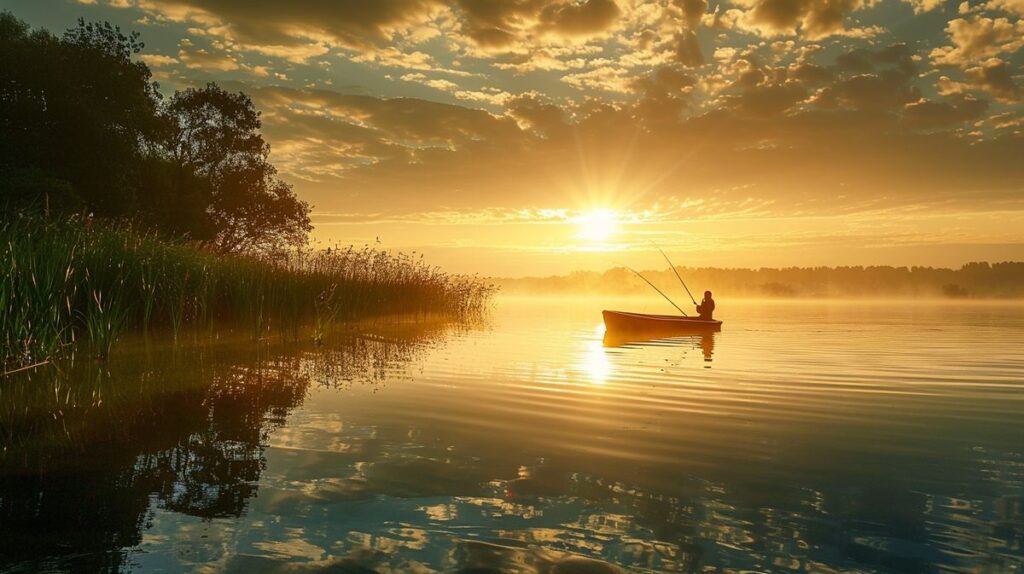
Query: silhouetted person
{"points": [[706, 307]]}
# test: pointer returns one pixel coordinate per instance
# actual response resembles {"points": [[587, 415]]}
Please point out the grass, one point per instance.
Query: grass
{"points": [[79, 283]]}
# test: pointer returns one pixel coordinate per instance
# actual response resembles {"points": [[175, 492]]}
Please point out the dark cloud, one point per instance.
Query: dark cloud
{"points": [[353, 23], [862, 60], [871, 79], [494, 24], [664, 95], [538, 114], [766, 100], [888, 90], [693, 11], [929, 114], [579, 19], [499, 24], [687, 49], [812, 19], [995, 77], [810, 74], [405, 121]]}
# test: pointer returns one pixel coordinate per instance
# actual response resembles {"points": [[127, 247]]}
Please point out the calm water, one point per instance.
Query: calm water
{"points": [[810, 437]]}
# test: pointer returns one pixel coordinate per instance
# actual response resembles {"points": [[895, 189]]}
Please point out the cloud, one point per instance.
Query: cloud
{"points": [[158, 60], [687, 49], [766, 99], [536, 113], [504, 25], [922, 6], [297, 30], [810, 74], [1006, 120], [393, 57], [978, 38], [579, 19], [1011, 6], [877, 92], [211, 61], [862, 60], [992, 76], [201, 59], [491, 96], [811, 19], [385, 123], [693, 11], [928, 114], [664, 95], [606, 78]]}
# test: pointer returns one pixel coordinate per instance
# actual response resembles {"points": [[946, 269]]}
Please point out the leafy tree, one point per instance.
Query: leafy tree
{"points": [[216, 136], [84, 128], [76, 110]]}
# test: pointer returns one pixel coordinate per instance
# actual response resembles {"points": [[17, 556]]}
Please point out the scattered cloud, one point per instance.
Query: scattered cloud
{"points": [[978, 38]]}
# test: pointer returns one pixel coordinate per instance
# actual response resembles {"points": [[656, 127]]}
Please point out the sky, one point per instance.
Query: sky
{"points": [[538, 137]]}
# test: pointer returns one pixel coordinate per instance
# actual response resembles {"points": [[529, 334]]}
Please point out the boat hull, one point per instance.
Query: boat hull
{"points": [[622, 321]]}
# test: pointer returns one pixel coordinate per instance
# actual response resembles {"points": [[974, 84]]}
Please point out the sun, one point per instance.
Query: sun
{"points": [[597, 225]]}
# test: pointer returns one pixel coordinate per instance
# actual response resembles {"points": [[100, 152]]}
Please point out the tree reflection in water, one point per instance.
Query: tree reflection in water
{"points": [[89, 449]]}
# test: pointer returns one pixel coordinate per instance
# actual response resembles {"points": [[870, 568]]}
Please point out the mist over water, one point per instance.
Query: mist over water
{"points": [[805, 436]]}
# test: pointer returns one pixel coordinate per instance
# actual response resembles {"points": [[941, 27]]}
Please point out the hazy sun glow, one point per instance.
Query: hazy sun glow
{"points": [[598, 225]]}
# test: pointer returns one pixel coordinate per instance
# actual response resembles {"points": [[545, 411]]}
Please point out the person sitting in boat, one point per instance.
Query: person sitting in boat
{"points": [[706, 307]]}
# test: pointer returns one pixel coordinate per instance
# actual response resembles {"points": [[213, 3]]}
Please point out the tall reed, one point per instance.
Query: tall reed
{"points": [[79, 279]]}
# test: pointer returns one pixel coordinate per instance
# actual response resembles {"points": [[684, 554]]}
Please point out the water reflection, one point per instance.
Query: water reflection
{"points": [[704, 341], [90, 449], [495, 451]]}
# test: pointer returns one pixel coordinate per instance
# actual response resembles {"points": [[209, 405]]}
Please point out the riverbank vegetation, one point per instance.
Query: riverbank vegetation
{"points": [[125, 209], [979, 280], [80, 283]]}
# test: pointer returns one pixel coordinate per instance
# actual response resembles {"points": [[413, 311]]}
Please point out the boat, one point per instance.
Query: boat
{"points": [[623, 321]]}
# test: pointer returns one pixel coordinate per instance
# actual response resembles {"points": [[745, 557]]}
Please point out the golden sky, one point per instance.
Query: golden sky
{"points": [[542, 136]]}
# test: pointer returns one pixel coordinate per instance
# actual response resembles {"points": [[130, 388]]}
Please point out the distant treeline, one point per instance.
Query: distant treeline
{"points": [[975, 280]]}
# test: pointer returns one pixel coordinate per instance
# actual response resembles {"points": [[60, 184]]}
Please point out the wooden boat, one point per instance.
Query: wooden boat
{"points": [[622, 321]]}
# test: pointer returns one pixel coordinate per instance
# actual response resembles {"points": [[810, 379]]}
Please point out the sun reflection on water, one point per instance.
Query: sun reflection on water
{"points": [[594, 359]]}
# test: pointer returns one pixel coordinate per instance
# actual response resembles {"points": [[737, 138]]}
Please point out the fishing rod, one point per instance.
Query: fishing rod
{"points": [[670, 264], [637, 273]]}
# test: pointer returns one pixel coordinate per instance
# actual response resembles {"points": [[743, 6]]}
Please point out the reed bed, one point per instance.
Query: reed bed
{"points": [[79, 283]]}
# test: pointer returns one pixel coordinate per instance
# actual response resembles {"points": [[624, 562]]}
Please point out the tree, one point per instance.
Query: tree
{"points": [[215, 136], [76, 115], [84, 128]]}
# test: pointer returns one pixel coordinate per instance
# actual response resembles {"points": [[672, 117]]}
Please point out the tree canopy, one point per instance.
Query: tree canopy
{"points": [[84, 128]]}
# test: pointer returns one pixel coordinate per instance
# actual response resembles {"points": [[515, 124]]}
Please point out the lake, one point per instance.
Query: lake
{"points": [[804, 437]]}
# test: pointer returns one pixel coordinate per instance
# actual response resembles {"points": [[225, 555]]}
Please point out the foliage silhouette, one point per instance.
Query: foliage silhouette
{"points": [[84, 128]]}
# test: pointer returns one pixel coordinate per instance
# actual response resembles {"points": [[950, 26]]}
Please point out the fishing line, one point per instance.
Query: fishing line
{"points": [[670, 264], [653, 286]]}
